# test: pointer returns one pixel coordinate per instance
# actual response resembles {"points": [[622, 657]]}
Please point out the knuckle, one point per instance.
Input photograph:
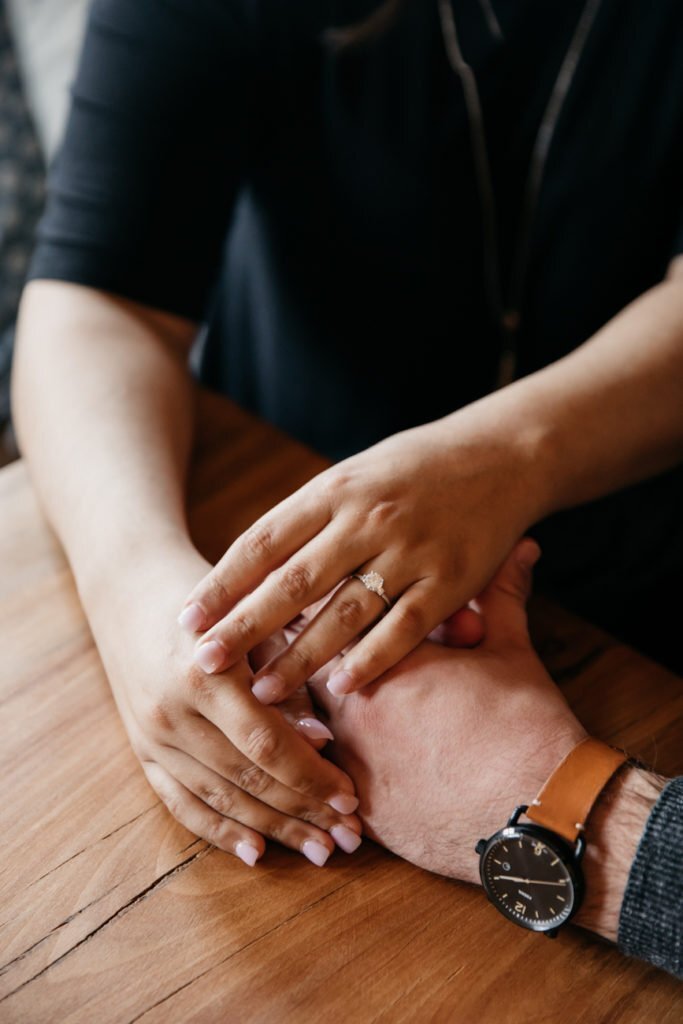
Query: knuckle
{"points": [[278, 830], [350, 613], [173, 802], [305, 785], [334, 483], [381, 513], [252, 780], [295, 581], [315, 816], [215, 590], [159, 716], [218, 797], [258, 542], [200, 686], [244, 627], [411, 619], [217, 831], [263, 745], [513, 588], [301, 660]]}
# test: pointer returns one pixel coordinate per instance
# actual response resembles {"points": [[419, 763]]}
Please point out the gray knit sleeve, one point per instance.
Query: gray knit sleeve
{"points": [[651, 919]]}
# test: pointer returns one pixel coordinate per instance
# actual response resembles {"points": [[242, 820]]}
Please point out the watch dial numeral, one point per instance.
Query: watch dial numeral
{"points": [[520, 908]]}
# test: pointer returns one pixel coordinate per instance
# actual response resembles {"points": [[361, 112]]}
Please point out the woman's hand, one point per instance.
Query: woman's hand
{"points": [[433, 510], [229, 769]]}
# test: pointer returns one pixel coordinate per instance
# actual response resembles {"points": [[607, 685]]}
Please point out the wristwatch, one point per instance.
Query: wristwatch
{"points": [[532, 873]]}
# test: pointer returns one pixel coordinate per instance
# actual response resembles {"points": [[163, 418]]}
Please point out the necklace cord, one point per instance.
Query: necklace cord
{"points": [[505, 307]]}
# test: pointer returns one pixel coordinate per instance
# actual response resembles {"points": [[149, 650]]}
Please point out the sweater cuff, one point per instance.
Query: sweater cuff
{"points": [[651, 918]]}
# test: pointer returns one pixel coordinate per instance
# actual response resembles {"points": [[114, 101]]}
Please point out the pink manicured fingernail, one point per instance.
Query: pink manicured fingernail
{"points": [[210, 656], [246, 852], [346, 838], [316, 852], [340, 683], [268, 689], [344, 803], [192, 618], [314, 729]]}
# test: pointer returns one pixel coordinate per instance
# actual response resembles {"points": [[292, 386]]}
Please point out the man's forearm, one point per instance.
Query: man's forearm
{"points": [[606, 416], [103, 408]]}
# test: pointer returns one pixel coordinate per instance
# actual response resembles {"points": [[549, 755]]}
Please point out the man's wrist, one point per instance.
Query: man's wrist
{"points": [[613, 832]]}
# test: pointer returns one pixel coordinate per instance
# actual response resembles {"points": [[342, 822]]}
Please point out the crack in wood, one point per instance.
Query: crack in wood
{"points": [[247, 945], [159, 882], [100, 839], [61, 924]]}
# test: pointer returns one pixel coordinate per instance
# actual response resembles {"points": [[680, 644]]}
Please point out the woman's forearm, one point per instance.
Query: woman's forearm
{"points": [[103, 409], [607, 415]]}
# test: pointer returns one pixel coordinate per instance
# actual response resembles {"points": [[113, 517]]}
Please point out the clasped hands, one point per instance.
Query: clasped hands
{"points": [[451, 728], [440, 748]]}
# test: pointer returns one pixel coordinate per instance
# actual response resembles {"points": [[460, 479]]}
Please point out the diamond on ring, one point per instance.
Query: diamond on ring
{"points": [[374, 582]]}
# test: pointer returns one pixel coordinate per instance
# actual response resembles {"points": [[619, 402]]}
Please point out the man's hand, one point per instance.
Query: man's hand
{"points": [[444, 747]]}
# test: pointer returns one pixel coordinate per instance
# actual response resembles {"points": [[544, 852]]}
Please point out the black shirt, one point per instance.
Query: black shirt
{"points": [[320, 211]]}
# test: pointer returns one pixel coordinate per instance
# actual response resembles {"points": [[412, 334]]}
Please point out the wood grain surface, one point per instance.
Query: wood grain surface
{"points": [[112, 912]]}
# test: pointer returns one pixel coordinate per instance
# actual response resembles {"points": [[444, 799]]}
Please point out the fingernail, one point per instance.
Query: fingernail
{"points": [[345, 803], [314, 729], [268, 689], [210, 656], [340, 683], [316, 852], [246, 852], [346, 838], [192, 618]]}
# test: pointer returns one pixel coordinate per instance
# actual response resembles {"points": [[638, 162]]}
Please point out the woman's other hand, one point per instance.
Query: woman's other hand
{"points": [[230, 770]]}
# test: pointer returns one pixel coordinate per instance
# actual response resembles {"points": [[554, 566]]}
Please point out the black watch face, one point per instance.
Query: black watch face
{"points": [[526, 878]]}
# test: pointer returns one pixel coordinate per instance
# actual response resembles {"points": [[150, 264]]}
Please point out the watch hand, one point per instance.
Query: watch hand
{"points": [[528, 881]]}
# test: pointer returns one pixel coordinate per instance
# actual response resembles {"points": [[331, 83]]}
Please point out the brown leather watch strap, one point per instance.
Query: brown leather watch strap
{"points": [[566, 799]]}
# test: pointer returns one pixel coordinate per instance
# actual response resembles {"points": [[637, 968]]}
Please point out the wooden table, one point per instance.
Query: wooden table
{"points": [[112, 912]]}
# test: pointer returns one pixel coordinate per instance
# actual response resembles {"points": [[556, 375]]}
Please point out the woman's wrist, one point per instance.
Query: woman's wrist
{"points": [[523, 448], [125, 561]]}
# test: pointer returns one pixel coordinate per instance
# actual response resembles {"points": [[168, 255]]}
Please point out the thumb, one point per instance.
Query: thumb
{"points": [[503, 602]]}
